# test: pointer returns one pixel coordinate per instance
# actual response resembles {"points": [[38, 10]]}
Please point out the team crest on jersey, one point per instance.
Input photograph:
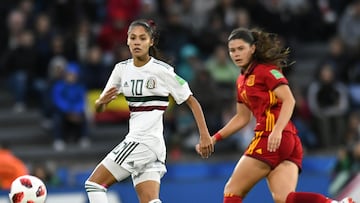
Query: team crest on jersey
{"points": [[250, 81], [151, 83]]}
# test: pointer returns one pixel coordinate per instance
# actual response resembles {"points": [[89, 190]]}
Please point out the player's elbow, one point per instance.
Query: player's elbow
{"points": [[289, 102]]}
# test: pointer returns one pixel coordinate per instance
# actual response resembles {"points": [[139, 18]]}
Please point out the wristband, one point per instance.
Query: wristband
{"points": [[218, 137]]}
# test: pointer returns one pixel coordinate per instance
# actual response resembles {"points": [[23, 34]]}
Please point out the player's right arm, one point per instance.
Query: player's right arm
{"points": [[238, 121], [104, 99], [111, 90]]}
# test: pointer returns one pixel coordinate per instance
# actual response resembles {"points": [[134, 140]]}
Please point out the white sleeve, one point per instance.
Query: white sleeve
{"points": [[114, 80], [178, 87]]}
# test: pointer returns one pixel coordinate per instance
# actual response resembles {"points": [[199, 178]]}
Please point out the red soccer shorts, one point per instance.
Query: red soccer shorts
{"points": [[290, 149]]}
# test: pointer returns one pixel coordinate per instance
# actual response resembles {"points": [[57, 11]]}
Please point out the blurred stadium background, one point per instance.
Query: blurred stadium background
{"points": [[41, 38]]}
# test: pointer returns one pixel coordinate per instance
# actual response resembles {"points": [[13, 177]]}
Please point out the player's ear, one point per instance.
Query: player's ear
{"points": [[252, 48], [151, 42]]}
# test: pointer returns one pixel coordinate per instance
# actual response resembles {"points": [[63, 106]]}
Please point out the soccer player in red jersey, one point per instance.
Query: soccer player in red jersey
{"points": [[275, 152]]}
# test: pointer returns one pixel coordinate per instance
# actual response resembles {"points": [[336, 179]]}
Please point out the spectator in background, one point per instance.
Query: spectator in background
{"points": [[223, 71], [329, 102], [4, 23], [352, 134], [15, 26], [200, 11], [114, 31], [130, 9], [93, 11], [11, 167], [342, 171], [20, 65], [189, 61], [63, 13], [329, 12], [188, 15], [43, 35], [347, 68], [68, 97], [55, 72], [209, 96], [174, 28], [95, 71], [242, 18], [57, 46], [80, 41], [215, 33], [354, 85], [226, 10], [338, 57], [302, 120], [149, 10], [349, 27], [28, 9], [348, 156]]}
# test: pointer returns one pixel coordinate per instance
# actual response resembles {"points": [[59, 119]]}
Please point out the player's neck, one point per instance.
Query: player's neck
{"points": [[141, 61]]}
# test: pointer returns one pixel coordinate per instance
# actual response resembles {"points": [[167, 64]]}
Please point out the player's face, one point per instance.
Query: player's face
{"points": [[139, 41], [241, 52]]}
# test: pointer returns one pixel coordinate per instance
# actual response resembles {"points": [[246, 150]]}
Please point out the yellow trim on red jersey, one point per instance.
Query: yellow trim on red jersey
{"points": [[270, 117], [254, 142]]}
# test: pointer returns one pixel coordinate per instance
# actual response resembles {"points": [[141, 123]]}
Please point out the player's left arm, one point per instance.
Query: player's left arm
{"points": [[283, 93], [206, 144]]}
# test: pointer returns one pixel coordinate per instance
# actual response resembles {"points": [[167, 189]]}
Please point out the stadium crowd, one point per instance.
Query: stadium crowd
{"points": [[53, 53]]}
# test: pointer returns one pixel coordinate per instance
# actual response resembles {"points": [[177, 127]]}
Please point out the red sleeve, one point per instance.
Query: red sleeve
{"points": [[274, 77]]}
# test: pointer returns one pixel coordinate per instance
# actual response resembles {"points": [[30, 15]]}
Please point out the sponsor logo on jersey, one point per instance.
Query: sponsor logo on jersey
{"points": [[276, 74], [151, 83], [126, 84], [250, 81]]}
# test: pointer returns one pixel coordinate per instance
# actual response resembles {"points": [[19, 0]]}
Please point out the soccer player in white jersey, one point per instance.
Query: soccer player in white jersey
{"points": [[146, 82]]}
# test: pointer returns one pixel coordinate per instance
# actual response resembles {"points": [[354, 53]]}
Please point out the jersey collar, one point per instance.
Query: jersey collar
{"points": [[250, 69]]}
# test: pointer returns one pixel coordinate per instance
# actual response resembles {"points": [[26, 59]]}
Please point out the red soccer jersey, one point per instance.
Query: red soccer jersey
{"points": [[255, 89]]}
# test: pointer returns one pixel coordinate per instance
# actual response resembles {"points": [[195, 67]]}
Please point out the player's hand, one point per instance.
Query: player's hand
{"points": [[274, 141], [206, 146], [197, 149], [109, 95]]}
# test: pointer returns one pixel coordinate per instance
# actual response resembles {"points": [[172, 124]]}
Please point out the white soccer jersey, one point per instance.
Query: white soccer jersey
{"points": [[147, 91]]}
